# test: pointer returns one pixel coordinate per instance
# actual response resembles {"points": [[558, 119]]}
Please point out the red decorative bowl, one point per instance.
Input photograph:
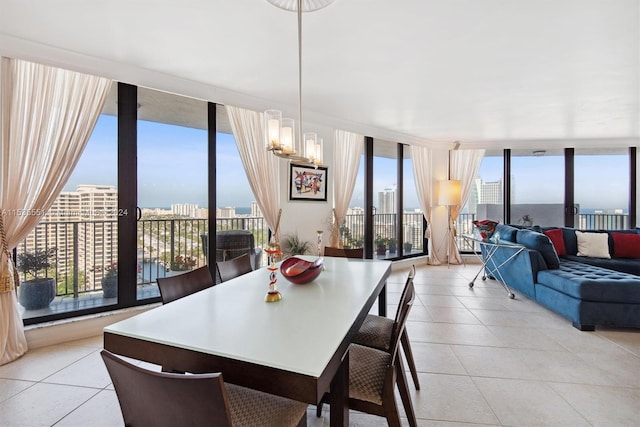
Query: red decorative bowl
{"points": [[300, 271]]}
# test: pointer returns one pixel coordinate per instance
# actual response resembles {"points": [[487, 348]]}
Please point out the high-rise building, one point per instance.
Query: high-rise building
{"points": [[387, 201], [490, 193], [255, 210], [226, 212], [185, 209], [82, 226]]}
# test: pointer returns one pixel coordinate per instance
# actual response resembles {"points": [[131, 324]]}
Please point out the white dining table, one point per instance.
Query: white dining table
{"points": [[296, 347]]}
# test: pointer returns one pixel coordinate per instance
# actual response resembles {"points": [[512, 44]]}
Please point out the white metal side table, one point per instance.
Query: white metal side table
{"points": [[490, 266]]}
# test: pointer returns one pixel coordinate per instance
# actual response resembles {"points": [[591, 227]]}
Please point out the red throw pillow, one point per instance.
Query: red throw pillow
{"points": [[557, 240], [626, 245]]}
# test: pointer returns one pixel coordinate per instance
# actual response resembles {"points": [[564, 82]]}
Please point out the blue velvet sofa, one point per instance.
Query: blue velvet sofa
{"points": [[625, 265], [588, 295]]}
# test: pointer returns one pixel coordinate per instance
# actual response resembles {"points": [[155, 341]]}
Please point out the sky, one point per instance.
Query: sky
{"points": [[172, 168], [600, 181]]}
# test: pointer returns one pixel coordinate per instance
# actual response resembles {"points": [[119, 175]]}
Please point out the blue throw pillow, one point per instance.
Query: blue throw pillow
{"points": [[507, 232], [542, 244]]}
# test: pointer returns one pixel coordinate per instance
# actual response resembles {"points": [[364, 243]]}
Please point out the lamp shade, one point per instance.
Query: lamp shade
{"points": [[449, 192]]}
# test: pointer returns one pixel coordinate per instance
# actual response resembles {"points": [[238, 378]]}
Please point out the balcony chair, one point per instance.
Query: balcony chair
{"points": [[235, 267], [233, 243], [374, 373], [344, 253], [175, 287], [149, 398]]}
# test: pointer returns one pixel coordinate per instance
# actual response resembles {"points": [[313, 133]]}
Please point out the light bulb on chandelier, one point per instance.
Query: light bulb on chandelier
{"points": [[280, 133]]}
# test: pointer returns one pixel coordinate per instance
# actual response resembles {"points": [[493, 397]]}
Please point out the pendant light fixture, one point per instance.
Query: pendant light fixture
{"points": [[280, 133]]}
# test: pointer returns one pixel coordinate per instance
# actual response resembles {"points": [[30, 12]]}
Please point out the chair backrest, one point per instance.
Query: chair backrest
{"points": [[404, 306], [158, 399], [344, 253], [233, 243], [234, 267], [175, 287]]}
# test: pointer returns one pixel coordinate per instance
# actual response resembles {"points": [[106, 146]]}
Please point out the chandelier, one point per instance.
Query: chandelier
{"points": [[280, 133]]}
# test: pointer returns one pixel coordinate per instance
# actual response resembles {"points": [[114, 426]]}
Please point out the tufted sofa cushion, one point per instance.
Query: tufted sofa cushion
{"points": [[590, 283]]}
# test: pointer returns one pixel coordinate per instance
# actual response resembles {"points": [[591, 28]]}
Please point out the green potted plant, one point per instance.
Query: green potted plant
{"points": [[408, 247], [393, 245], [39, 289], [110, 281], [183, 263], [381, 245], [293, 245]]}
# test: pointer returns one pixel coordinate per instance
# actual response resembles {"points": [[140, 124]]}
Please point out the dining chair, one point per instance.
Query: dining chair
{"points": [[344, 252], [373, 373], [234, 267], [376, 331], [159, 399], [181, 285]]}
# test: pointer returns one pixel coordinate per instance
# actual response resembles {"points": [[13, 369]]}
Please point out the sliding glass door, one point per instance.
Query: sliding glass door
{"points": [[172, 187]]}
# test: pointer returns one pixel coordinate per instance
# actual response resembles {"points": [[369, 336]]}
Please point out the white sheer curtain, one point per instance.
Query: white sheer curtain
{"points": [[347, 151], [422, 171], [262, 167], [48, 115], [465, 165]]}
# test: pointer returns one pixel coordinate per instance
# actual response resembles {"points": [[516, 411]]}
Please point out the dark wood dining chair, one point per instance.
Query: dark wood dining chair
{"points": [[376, 331], [175, 287], [159, 399], [373, 373], [234, 267], [343, 252]]}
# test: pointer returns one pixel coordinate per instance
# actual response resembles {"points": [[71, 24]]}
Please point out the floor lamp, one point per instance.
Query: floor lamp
{"points": [[449, 194]]}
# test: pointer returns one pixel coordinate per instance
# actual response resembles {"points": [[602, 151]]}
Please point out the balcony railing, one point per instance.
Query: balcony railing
{"points": [[384, 226], [84, 248], [598, 221]]}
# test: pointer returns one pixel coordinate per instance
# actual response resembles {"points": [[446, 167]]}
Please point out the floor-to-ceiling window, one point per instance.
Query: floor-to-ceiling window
{"points": [[601, 192], [81, 226], [236, 206], [172, 186], [486, 199], [537, 187], [412, 216], [385, 187], [352, 230]]}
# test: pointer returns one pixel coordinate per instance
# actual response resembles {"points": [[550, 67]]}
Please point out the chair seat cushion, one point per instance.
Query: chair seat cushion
{"points": [[375, 332], [367, 370], [254, 408]]}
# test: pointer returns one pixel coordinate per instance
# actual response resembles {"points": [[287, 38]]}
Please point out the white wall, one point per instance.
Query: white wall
{"points": [[306, 217]]}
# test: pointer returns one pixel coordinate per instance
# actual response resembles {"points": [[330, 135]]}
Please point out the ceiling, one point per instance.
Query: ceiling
{"points": [[487, 73]]}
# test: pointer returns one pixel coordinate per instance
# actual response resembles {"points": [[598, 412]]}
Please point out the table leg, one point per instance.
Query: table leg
{"points": [[339, 397], [382, 301]]}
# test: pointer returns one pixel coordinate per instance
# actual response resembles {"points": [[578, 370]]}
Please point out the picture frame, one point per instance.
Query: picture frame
{"points": [[307, 183]]}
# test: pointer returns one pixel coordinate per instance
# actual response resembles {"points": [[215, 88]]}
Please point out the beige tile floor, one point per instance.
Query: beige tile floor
{"points": [[483, 360]]}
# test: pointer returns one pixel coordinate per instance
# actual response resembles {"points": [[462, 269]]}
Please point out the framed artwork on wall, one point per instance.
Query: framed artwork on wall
{"points": [[307, 183]]}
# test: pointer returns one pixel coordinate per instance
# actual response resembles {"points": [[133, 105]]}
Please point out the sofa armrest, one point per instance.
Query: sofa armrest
{"points": [[518, 270]]}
